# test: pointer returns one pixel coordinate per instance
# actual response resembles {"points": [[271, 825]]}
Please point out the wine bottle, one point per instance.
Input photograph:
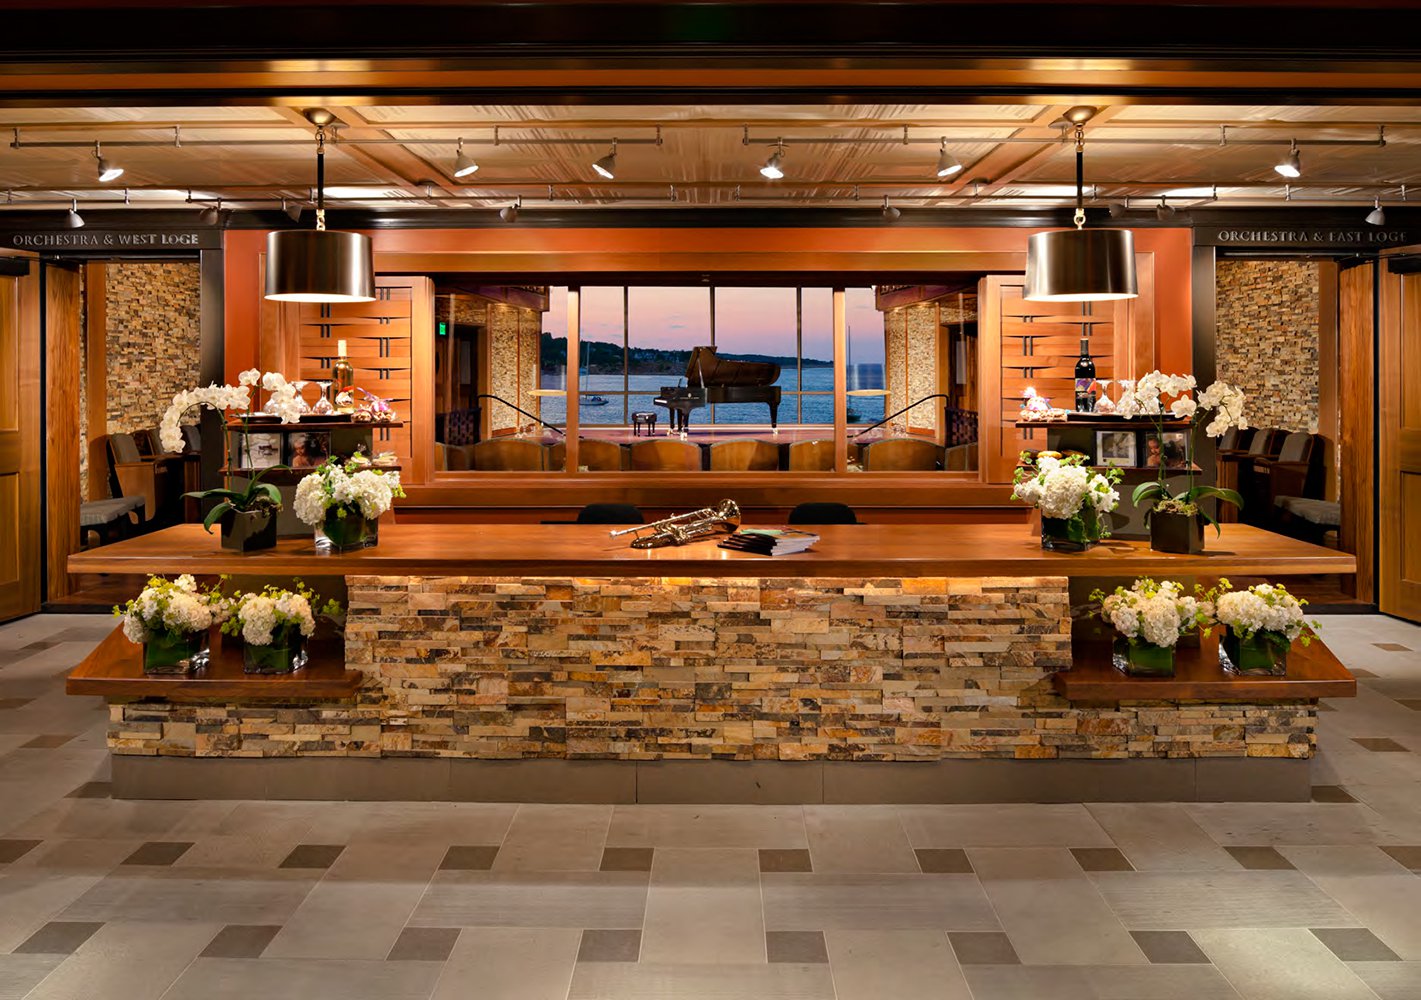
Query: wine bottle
{"points": [[342, 382], [1085, 378]]}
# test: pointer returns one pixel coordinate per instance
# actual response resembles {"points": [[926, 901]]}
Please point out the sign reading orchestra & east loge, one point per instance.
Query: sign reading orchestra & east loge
{"points": [[1302, 237], [101, 240]]}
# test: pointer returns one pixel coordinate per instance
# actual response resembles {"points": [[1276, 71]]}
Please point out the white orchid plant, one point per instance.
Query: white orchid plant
{"points": [[1163, 397], [284, 402], [1154, 614], [1062, 488]]}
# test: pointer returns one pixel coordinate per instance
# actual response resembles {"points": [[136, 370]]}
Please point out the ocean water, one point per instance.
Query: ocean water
{"points": [[816, 406]]}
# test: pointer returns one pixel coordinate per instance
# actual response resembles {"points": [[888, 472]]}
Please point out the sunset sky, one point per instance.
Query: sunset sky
{"points": [[748, 320]]}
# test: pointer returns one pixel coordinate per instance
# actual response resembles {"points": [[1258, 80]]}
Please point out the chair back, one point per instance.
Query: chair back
{"points": [[902, 455], [823, 513], [665, 455], [960, 458], [124, 449], [508, 454], [811, 456], [601, 456], [193, 437], [147, 442], [1297, 447], [1262, 443], [555, 457], [1234, 439], [610, 513], [748, 455]]}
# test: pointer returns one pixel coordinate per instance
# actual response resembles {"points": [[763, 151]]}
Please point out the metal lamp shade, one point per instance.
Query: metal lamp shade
{"points": [[1080, 265], [319, 265]]}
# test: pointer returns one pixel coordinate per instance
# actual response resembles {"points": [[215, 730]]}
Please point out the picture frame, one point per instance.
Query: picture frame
{"points": [[1116, 449], [1171, 449], [262, 451], [307, 449]]}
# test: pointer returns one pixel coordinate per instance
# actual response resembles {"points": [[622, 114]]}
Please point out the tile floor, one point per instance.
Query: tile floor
{"points": [[113, 900]]}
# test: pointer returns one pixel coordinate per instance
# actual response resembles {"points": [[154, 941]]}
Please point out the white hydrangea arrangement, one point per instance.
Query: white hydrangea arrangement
{"points": [[1156, 614], [260, 619], [350, 487], [1265, 609], [1062, 487], [171, 608]]}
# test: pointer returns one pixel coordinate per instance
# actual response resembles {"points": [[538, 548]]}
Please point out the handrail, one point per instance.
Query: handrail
{"points": [[512, 406], [936, 395]]}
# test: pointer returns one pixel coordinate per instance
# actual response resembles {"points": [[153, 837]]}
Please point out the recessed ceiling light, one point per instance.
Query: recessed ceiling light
{"points": [[947, 164], [464, 164], [1292, 164], [107, 169], [607, 165], [774, 166]]}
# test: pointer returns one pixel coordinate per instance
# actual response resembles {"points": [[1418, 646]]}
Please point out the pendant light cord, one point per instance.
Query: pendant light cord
{"points": [[320, 178], [1080, 176]]}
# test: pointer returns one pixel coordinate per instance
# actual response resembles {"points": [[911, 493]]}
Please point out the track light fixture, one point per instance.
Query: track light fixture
{"points": [[947, 164], [1377, 216], [464, 164], [292, 209], [1119, 208], [509, 213], [212, 214], [607, 165], [72, 218], [107, 169], [1291, 165], [1165, 210], [773, 168], [890, 212]]}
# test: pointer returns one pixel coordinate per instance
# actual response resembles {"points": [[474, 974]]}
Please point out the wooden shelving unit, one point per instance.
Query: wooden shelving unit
{"points": [[114, 670]]}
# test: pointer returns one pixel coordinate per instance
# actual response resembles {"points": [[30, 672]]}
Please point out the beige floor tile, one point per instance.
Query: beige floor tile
{"points": [[414, 822], [1280, 964], [1159, 982], [1390, 980], [703, 907], [258, 851], [872, 964], [858, 839], [127, 961], [1249, 824], [644, 981], [553, 838], [346, 919], [1183, 901], [1002, 826], [30, 899], [96, 857], [411, 863], [708, 826], [1050, 908], [1160, 836], [837, 901], [1027, 982], [1389, 905], [19, 974], [613, 900], [220, 896], [304, 979], [502, 963]]}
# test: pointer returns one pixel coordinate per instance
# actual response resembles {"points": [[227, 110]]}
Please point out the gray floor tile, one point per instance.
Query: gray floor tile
{"points": [[839, 901], [423, 944], [240, 941], [1408, 856], [611, 900], [627, 859], [512, 963], [802, 947], [1378, 744], [772, 860], [9, 703], [1260, 859], [158, 852], [469, 858], [312, 856], [943, 861], [1101, 859], [982, 948], [872, 965], [13, 850], [609, 946], [49, 741], [649, 981], [1392, 647], [1331, 793], [1355, 944], [1169, 947], [58, 937], [93, 790], [305, 979]]}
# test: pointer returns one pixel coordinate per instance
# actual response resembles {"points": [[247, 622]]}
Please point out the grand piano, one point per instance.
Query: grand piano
{"points": [[711, 379]]}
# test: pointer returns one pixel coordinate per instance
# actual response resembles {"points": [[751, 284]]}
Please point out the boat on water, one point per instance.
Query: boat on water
{"points": [[591, 400]]}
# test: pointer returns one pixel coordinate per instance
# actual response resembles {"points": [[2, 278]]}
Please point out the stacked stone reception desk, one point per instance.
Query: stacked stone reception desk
{"points": [[890, 663]]}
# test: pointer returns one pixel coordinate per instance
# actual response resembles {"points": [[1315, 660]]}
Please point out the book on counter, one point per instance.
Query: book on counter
{"points": [[770, 541]]}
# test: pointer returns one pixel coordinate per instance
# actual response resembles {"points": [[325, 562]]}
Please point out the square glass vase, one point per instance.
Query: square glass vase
{"points": [[1260, 655], [285, 654], [1142, 659], [1071, 534], [346, 534], [175, 655]]}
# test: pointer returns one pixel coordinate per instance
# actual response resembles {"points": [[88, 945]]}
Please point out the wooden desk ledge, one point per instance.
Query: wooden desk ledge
{"points": [[114, 670], [1313, 672]]}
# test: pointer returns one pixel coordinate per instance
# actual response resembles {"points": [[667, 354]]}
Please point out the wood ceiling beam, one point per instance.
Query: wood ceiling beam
{"points": [[364, 155], [1035, 157], [412, 169]]}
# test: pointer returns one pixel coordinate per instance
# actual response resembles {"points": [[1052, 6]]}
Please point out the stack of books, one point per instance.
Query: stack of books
{"points": [[770, 541]]}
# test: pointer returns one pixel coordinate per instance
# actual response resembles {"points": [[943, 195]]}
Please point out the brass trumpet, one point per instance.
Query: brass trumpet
{"points": [[724, 517]]}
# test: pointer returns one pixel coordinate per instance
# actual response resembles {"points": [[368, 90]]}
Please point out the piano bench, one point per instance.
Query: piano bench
{"points": [[643, 419]]}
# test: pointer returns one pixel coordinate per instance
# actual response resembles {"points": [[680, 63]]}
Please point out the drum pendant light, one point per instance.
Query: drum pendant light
{"points": [[1080, 265], [319, 265]]}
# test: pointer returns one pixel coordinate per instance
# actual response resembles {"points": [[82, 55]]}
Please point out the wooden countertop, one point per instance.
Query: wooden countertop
{"points": [[865, 550]]}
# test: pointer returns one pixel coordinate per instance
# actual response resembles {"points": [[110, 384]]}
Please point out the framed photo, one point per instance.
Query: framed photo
{"points": [[262, 450], [307, 449], [1116, 448], [1170, 450]]}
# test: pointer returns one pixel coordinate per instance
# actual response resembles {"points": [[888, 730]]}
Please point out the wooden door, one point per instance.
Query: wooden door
{"points": [[63, 357], [21, 531], [1399, 423], [1356, 406]]}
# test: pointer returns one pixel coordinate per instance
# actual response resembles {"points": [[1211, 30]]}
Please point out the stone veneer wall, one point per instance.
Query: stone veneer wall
{"points": [[152, 352], [515, 341], [1267, 338], [653, 668], [910, 363]]}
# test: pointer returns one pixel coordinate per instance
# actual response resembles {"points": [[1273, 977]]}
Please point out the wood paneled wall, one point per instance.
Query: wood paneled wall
{"points": [[1399, 461], [1355, 379], [21, 536], [63, 356]]}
